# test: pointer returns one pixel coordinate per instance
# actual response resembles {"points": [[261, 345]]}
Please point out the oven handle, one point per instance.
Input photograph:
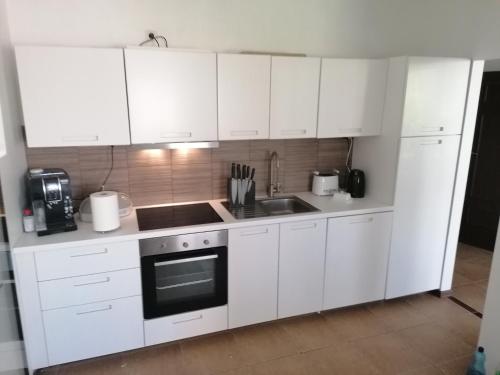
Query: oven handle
{"points": [[186, 260], [184, 284]]}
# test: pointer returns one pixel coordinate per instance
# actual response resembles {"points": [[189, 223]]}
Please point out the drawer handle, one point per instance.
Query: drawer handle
{"points": [[303, 227], [199, 317], [294, 131], [432, 128], [255, 233], [83, 138], [430, 143], [362, 221], [176, 135], [106, 280], [105, 251], [244, 132], [109, 307], [354, 130]]}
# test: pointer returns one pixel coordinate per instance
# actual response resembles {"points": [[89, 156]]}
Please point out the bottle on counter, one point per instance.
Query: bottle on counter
{"points": [[28, 220], [476, 366]]}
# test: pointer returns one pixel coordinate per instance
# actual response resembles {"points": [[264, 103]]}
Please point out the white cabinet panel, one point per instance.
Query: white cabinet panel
{"points": [[351, 99], [180, 326], [73, 96], [172, 95], [357, 254], [243, 95], [93, 330], [301, 267], [436, 89], [85, 260], [294, 97], [91, 288], [253, 275], [424, 187]]}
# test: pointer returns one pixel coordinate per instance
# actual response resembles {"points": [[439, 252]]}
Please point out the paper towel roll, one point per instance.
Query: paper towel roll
{"points": [[105, 211]]}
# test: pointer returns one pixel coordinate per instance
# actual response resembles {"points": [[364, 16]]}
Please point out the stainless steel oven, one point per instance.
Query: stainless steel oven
{"points": [[183, 273]]}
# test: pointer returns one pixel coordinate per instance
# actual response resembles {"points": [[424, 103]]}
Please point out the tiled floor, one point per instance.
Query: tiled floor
{"points": [[421, 334]]}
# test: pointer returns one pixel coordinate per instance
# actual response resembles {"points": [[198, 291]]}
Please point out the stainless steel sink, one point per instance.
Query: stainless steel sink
{"points": [[271, 207]]}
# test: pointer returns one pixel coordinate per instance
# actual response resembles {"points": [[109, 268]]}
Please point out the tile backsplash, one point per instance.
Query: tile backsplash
{"points": [[163, 176]]}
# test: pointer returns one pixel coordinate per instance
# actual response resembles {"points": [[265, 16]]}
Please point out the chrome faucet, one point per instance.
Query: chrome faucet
{"points": [[274, 167]]}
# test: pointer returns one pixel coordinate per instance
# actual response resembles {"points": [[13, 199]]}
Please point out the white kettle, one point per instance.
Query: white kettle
{"points": [[325, 183]]}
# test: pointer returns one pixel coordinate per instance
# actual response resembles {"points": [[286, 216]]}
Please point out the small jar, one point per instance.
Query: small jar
{"points": [[28, 220]]}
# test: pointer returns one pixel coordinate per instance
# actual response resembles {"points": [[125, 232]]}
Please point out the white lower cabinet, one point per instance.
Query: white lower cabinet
{"points": [[253, 275], [181, 326], [301, 267], [92, 330], [357, 253]]}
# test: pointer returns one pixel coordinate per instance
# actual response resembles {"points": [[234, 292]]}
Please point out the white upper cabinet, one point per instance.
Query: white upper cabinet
{"points": [[243, 93], [294, 97], [172, 95], [73, 96], [435, 96], [352, 95]]}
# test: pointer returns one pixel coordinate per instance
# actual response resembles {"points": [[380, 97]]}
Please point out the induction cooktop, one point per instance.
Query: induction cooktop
{"points": [[176, 216]]}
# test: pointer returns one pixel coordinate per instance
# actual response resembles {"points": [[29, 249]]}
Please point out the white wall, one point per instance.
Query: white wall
{"points": [[13, 165], [490, 328], [347, 28]]}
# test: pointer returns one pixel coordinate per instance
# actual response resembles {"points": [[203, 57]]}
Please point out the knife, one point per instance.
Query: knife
{"points": [[234, 184], [250, 183]]}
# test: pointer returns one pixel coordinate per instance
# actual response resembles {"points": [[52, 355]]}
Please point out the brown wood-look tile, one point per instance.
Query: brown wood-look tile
{"points": [[260, 150], [331, 154], [354, 323], [93, 178], [100, 157], [212, 354], [311, 332], [431, 370], [433, 307], [459, 280], [191, 156], [191, 182], [482, 284], [232, 151], [390, 354], [472, 295], [472, 270], [398, 314], [108, 365], [137, 157], [456, 366], [435, 342], [465, 325], [150, 185], [264, 342], [465, 252], [289, 365], [162, 359]]}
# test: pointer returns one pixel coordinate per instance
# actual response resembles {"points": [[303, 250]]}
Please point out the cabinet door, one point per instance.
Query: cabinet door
{"points": [[435, 96], [73, 96], [357, 253], [253, 275], [351, 99], [294, 97], [172, 95], [301, 267], [424, 187], [92, 330], [243, 93]]}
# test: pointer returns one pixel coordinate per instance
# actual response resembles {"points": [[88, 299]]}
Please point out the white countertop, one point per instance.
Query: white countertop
{"points": [[129, 230]]}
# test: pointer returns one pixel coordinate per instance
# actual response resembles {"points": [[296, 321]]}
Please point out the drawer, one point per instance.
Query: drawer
{"points": [[180, 326], [91, 288], [92, 330], [85, 260]]}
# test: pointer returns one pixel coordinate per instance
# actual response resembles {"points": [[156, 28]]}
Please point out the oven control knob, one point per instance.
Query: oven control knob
{"points": [[185, 244], [206, 242]]}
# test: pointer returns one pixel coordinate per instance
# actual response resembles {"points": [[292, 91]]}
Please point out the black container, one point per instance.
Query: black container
{"points": [[356, 183]]}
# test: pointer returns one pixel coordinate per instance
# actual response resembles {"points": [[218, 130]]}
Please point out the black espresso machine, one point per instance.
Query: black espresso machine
{"points": [[49, 194]]}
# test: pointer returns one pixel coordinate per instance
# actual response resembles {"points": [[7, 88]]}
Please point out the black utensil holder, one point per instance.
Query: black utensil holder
{"points": [[249, 195]]}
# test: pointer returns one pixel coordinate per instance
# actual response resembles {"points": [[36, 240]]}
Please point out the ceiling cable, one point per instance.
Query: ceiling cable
{"points": [[154, 38]]}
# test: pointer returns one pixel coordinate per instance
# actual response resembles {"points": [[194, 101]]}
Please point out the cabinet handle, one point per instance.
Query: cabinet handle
{"points": [[354, 130], [176, 135], [83, 138], [369, 220], [106, 280], [109, 307], [244, 132], [105, 251], [186, 260], [199, 317], [432, 128], [294, 131], [303, 227], [254, 233], [430, 143]]}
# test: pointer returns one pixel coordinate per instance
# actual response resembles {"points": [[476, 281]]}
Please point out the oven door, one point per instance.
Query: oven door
{"points": [[184, 281]]}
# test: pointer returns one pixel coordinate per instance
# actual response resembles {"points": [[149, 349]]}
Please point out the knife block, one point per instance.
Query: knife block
{"points": [[250, 196], [230, 194]]}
